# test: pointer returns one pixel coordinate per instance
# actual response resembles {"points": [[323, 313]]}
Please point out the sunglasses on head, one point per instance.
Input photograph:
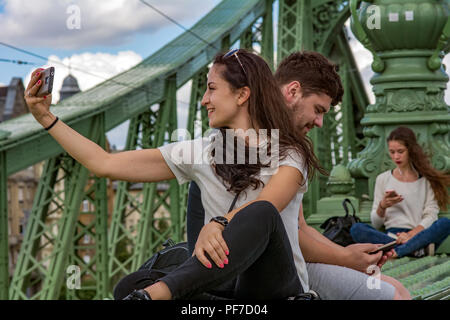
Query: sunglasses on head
{"points": [[234, 52]]}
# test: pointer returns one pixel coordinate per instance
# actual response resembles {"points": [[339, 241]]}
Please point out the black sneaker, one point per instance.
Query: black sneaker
{"points": [[138, 295], [311, 295]]}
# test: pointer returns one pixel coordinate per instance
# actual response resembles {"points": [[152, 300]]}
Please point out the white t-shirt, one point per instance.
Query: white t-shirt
{"points": [[419, 205], [191, 160]]}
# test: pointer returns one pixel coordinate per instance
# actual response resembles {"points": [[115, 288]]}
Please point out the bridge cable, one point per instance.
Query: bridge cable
{"points": [[17, 61], [178, 24]]}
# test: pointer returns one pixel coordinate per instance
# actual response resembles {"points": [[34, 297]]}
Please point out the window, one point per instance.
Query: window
{"points": [[86, 239], [86, 259], [85, 205], [20, 195]]}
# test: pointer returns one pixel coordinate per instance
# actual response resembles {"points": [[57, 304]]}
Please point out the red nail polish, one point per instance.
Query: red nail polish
{"points": [[39, 82], [37, 74], [45, 97], [209, 266], [226, 261], [227, 252], [221, 265]]}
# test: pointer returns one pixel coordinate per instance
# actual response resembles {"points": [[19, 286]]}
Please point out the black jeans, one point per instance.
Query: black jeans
{"points": [[261, 264], [260, 260], [224, 289], [195, 220]]}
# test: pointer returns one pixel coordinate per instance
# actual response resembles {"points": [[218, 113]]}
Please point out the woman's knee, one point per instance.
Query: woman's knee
{"points": [[356, 228], [443, 223], [401, 293], [262, 209]]}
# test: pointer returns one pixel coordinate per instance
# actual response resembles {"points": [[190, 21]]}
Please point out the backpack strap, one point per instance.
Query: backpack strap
{"points": [[344, 204], [234, 202]]}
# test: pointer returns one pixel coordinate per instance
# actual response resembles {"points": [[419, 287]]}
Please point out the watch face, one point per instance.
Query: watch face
{"points": [[222, 220]]}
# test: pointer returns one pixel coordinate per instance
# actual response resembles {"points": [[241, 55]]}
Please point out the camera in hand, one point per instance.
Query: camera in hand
{"points": [[47, 77]]}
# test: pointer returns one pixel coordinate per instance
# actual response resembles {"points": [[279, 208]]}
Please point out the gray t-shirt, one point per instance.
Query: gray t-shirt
{"points": [[191, 160]]}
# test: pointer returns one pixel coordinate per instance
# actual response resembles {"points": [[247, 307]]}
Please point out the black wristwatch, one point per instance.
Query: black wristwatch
{"points": [[220, 219]]}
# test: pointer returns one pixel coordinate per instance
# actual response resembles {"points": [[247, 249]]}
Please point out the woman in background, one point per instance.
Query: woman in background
{"points": [[407, 200]]}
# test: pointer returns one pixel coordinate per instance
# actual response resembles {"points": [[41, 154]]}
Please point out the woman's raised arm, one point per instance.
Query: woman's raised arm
{"points": [[136, 166]]}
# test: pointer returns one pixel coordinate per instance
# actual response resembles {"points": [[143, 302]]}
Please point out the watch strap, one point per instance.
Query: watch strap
{"points": [[221, 220]]}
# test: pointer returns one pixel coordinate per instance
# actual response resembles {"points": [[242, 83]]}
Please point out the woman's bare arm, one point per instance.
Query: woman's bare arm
{"points": [[136, 166]]}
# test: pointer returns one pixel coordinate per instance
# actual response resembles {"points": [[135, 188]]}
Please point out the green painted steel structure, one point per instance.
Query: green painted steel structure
{"points": [[146, 95]]}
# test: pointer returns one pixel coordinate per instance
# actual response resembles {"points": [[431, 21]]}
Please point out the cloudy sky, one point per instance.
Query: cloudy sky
{"points": [[109, 37], [102, 37]]}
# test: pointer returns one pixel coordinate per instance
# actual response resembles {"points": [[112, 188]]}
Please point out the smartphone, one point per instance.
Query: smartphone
{"points": [[385, 248], [47, 82], [392, 193]]}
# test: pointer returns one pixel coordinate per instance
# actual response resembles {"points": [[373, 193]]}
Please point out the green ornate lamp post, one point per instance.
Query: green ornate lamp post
{"points": [[341, 186], [408, 39]]}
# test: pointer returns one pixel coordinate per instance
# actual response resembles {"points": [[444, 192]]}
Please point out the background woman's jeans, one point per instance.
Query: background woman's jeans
{"points": [[436, 233]]}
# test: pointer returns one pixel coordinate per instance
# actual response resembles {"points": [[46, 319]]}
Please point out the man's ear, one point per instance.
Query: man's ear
{"points": [[244, 95], [295, 89], [292, 92]]}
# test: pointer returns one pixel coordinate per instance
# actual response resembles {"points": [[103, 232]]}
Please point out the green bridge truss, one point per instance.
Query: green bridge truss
{"points": [[146, 95]]}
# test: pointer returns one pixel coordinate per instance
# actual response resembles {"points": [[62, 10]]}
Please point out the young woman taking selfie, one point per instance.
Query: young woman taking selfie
{"points": [[257, 242]]}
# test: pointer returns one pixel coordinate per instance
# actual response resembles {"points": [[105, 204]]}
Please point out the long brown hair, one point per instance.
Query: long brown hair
{"points": [[439, 181], [267, 110]]}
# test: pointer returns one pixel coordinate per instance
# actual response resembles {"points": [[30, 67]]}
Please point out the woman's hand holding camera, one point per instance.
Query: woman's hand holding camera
{"points": [[38, 106]]}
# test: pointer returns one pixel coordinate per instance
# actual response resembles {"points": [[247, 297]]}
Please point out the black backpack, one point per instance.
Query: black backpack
{"points": [[169, 258], [337, 228]]}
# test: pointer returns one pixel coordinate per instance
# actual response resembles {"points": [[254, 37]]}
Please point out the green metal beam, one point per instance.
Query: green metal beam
{"points": [[267, 45], [93, 227], [121, 238], [144, 244], [75, 183], [39, 233], [4, 238]]}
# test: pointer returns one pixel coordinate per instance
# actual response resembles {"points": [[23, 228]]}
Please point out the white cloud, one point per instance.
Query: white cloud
{"points": [[90, 69], [102, 22]]}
